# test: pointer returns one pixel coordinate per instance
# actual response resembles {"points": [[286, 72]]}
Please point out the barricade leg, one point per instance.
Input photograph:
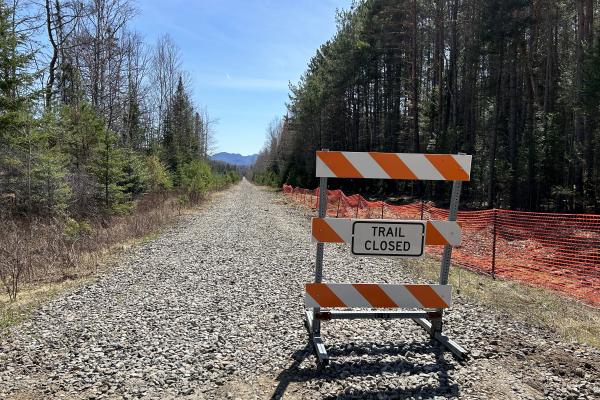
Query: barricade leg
{"points": [[445, 341], [435, 327], [313, 324]]}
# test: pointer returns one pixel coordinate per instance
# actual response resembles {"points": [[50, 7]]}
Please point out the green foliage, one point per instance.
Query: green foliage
{"points": [[83, 131], [224, 179], [134, 130], [16, 78], [180, 139], [22, 146], [135, 174], [158, 179], [75, 230], [37, 169], [266, 178], [50, 192], [108, 167], [231, 177], [195, 179]]}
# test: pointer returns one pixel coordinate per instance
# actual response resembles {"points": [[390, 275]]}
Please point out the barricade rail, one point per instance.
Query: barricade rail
{"points": [[555, 251]]}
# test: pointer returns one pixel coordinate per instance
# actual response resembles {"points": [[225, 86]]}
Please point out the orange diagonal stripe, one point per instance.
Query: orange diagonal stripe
{"points": [[374, 295], [322, 232], [426, 296], [433, 237], [448, 167], [393, 165], [339, 164], [323, 295]]}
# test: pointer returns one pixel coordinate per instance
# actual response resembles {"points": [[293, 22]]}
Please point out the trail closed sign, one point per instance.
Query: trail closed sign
{"points": [[388, 238]]}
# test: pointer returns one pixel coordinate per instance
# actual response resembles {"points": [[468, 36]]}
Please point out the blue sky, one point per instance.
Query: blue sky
{"points": [[241, 55]]}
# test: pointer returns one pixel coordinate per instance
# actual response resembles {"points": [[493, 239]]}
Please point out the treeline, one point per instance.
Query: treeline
{"points": [[91, 116], [515, 83]]}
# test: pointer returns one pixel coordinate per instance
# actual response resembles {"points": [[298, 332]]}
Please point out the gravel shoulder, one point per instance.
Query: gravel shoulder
{"points": [[213, 309]]}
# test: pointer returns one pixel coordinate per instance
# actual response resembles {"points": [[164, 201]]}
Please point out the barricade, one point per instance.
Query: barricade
{"points": [[552, 250], [382, 237]]}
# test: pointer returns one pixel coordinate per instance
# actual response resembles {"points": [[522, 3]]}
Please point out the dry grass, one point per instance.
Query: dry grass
{"points": [[36, 251], [47, 257], [569, 318], [31, 296]]}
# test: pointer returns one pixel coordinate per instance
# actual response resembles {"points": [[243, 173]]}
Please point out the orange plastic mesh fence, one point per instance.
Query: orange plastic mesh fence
{"points": [[556, 251]]}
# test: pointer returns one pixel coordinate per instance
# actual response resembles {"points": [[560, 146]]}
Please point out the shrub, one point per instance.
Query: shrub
{"points": [[196, 179], [77, 229], [135, 175], [267, 178], [159, 179]]}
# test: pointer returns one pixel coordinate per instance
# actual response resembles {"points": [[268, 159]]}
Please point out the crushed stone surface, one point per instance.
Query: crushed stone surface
{"points": [[213, 309]]}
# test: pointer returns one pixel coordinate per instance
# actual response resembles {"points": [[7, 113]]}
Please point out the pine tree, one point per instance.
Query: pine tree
{"points": [[180, 140], [20, 144], [134, 134], [50, 192], [83, 133], [109, 169], [200, 135]]}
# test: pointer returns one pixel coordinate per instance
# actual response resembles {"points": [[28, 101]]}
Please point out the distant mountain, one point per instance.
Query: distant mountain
{"points": [[234, 158]]}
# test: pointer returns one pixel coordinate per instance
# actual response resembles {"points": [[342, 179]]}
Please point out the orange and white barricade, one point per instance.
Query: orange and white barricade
{"points": [[388, 238], [339, 230]]}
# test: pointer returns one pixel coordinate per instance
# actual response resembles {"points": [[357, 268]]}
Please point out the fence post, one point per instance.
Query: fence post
{"points": [[382, 206], [337, 214], [494, 223], [422, 208], [357, 201]]}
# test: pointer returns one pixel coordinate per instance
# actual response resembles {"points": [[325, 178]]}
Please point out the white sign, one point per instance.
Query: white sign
{"points": [[388, 238]]}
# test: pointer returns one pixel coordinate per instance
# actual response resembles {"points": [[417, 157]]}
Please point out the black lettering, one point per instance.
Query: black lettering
{"points": [[374, 230], [406, 246], [383, 246], [367, 245], [381, 231], [398, 245]]}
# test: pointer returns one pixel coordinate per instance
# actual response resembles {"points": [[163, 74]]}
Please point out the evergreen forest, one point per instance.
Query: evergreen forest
{"points": [[515, 83]]}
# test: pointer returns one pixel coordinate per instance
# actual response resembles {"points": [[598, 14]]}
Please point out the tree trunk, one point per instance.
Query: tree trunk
{"points": [[495, 130], [415, 79]]}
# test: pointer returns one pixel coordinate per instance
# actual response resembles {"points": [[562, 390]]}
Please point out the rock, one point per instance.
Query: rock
{"points": [[213, 308]]}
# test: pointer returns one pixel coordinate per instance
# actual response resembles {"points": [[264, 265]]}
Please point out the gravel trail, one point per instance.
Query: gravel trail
{"points": [[212, 309]]}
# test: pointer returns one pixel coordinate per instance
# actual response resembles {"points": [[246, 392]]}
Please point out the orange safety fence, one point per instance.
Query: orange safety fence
{"points": [[556, 251]]}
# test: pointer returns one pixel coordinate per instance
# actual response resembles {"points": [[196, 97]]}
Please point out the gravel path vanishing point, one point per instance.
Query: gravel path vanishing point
{"points": [[213, 309]]}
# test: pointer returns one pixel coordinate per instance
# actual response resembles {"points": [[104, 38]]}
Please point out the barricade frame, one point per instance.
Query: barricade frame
{"points": [[430, 321]]}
